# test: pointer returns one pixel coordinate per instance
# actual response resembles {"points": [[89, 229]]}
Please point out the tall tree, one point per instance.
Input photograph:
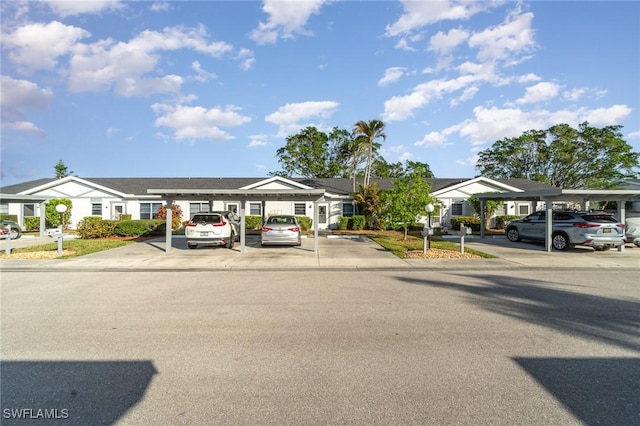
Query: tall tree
{"points": [[562, 156], [369, 201], [312, 153], [62, 170], [407, 200], [372, 130]]}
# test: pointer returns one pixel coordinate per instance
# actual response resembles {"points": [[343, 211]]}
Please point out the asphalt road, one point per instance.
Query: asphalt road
{"points": [[321, 347]]}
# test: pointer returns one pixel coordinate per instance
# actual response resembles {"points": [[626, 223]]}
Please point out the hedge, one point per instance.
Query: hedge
{"points": [[31, 223], [358, 222], [501, 221], [469, 221], [344, 223], [305, 222], [11, 217], [95, 227], [252, 222]]}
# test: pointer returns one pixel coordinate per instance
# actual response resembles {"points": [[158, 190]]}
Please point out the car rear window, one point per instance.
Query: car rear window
{"points": [[207, 218], [599, 218], [280, 219]]}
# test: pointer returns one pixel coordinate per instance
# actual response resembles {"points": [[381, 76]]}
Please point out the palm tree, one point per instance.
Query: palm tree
{"points": [[372, 130]]}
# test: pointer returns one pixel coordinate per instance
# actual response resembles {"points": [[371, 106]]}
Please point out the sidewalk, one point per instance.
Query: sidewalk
{"points": [[356, 253]]}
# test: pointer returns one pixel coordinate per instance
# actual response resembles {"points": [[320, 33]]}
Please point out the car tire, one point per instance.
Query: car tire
{"points": [[560, 241], [513, 235], [601, 248], [15, 233], [230, 241]]}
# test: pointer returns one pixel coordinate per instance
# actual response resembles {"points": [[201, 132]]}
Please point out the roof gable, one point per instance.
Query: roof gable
{"points": [[276, 182]]}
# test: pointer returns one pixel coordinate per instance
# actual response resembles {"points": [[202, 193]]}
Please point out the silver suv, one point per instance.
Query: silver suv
{"points": [[214, 228], [599, 230]]}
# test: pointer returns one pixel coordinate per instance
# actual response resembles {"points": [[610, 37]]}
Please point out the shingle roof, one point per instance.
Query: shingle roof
{"points": [[341, 186]]}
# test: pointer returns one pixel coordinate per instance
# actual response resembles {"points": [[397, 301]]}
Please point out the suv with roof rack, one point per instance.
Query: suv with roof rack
{"points": [[596, 229]]}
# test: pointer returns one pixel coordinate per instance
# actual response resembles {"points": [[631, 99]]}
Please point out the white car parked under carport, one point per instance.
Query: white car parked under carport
{"points": [[632, 231]]}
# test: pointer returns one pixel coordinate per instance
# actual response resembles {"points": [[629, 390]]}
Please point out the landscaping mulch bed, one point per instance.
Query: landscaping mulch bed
{"points": [[438, 254]]}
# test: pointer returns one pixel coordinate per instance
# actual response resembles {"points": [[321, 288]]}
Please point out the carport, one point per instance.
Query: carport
{"points": [[620, 196], [243, 196], [42, 200]]}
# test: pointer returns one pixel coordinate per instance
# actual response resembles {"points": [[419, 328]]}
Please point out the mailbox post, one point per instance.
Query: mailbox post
{"points": [[61, 208], [464, 231]]}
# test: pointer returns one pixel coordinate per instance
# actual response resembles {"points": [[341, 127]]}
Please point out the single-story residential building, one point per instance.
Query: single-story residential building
{"points": [[110, 198]]}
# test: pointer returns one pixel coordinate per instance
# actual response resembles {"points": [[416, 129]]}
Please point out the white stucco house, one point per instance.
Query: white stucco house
{"points": [[112, 197]]}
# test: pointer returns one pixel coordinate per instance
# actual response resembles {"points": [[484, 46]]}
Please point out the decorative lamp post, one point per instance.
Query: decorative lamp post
{"points": [[61, 208], [429, 208]]}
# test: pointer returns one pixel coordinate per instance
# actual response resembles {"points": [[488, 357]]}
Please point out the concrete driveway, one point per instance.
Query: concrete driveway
{"points": [[333, 253]]}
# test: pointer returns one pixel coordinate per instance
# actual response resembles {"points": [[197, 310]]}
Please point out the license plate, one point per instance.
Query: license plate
{"points": [[204, 234], [607, 230]]}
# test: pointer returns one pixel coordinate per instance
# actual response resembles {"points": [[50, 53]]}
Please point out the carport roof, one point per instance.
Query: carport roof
{"points": [[246, 194], [17, 198], [558, 194]]}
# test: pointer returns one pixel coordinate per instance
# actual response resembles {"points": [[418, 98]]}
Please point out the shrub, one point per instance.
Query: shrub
{"points": [[12, 217], [344, 222], [358, 222], [501, 221], [125, 217], [131, 228], [95, 227], [469, 221], [305, 222], [176, 215], [31, 223], [253, 222]]}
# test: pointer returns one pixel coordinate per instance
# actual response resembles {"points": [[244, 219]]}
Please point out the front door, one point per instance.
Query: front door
{"points": [[322, 215], [117, 210]]}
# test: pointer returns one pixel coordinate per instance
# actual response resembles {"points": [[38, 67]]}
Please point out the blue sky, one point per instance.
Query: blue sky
{"points": [[212, 89]]}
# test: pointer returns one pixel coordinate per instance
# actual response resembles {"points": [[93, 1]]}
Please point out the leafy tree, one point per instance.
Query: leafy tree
{"points": [[407, 200], [53, 217], [62, 170], [564, 157], [312, 153], [490, 207], [372, 130], [176, 215], [369, 201]]}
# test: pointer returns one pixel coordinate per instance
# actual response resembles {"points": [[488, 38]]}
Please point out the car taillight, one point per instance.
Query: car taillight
{"points": [[266, 229], [223, 223], [294, 229], [586, 225], [191, 224]]}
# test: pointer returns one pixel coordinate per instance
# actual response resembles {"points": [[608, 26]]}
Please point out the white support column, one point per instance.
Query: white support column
{"points": [[43, 219], [549, 224], [243, 224], [482, 217], [316, 217], [168, 235], [622, 213]]}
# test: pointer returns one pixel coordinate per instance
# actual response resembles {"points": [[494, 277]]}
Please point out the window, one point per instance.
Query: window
{"points": [[347, 209], [96, 209], [4, 208], [232, 207], [300, 209], [149, 210], [198, 208], [456, 208], [523, 209], [255, 209], [28, 210]]}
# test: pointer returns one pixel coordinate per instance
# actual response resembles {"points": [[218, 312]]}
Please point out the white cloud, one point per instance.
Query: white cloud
{"points": [[505, 42], [607, 116], [418, 14], [574, 94], [105, 64], [391, 75], [443, 43], [293, 117], [433, 139], [246, 58], [258, 140], [191, 123], [160, 6], [18, 97], [634, 135], [75, 7], [528, 78], [38, 46], [201, 74], [286, 18], [539, 93]]}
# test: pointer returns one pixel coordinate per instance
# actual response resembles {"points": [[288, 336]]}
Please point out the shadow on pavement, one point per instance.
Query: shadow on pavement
{"points": [[611, 321], [598, 391], [71, 392]]}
